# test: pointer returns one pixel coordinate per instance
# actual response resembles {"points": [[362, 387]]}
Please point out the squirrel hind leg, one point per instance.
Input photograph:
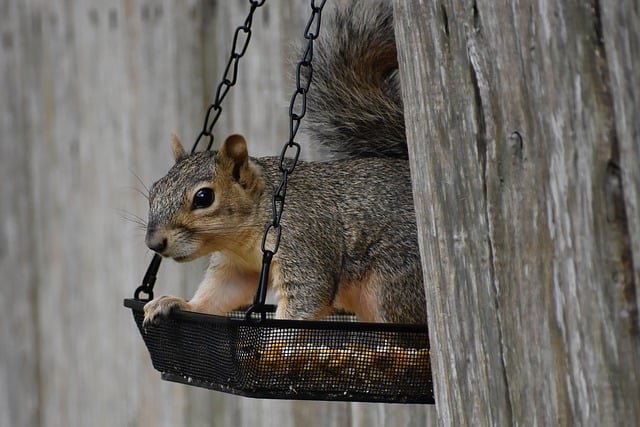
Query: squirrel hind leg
{"points": [[294, 309], [361, 298], [302, 295], [396, 296], [391, 296]]}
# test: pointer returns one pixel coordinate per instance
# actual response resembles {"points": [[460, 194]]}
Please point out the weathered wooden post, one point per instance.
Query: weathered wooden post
{"points": [[523, 128]]}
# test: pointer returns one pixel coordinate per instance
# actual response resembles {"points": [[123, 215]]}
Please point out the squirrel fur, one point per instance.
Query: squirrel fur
{"points": [[349, 239]]}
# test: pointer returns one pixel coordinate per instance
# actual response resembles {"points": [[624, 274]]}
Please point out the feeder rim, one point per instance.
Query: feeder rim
{"points": [[177, 314]]}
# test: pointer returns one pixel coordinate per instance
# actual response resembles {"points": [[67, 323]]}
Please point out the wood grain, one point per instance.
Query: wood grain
{"points": [[525, 166]]}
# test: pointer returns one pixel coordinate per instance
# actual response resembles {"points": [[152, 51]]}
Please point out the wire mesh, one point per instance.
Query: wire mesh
{"points": [[321, 360]]}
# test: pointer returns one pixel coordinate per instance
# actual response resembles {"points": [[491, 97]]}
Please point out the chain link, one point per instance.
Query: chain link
{"points": [[241, 38], [289, 154], [297, 110]]}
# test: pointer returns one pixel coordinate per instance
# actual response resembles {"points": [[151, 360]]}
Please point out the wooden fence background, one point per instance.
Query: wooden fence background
{"points": [[91, 90]]}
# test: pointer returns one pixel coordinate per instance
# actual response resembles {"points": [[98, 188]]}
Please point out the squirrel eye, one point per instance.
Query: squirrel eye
{"points": [[202, 199]]}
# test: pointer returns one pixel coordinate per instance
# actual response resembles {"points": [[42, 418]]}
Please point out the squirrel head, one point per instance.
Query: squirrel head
{"points": [[206, 202]]}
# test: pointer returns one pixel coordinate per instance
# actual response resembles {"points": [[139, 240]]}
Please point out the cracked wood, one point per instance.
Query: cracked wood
{"points": [[523, 135]]}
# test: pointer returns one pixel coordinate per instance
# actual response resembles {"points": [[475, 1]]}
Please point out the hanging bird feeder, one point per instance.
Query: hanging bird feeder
{"points": [[250, 353]]}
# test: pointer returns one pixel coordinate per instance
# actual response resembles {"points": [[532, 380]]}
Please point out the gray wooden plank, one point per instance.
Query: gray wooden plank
{"points": [[622, 43], [19, 394]]}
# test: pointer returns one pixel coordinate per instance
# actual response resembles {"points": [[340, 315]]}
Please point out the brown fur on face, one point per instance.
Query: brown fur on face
{"points": [[228, 224]]}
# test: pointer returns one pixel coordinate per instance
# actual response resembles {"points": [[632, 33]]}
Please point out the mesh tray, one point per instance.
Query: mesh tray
{"points": [[280, 359]]}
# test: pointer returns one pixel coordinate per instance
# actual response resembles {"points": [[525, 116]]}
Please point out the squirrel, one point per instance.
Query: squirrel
{"points": [[349, 238]]}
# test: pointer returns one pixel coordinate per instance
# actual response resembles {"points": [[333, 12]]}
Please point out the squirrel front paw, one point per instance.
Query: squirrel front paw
{"points": [[158, 308]]}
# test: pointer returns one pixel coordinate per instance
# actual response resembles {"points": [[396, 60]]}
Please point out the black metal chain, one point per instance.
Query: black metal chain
{"points": [[239, 47], [149, 279], [241, 38], [297, 110]]}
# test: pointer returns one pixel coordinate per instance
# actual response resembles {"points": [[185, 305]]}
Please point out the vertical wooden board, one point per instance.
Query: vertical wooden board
{"points": [[578, 322], [19, 397], [447, 172], [161, 73], [621, 34], [51, 116], [517, 143], [571, 147], [86, 113]]}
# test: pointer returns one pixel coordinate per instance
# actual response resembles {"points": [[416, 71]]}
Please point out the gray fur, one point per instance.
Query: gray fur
{"points": [[346, 217]]}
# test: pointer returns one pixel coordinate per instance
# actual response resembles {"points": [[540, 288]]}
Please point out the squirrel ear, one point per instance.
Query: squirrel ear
{"points": [[234, 148], [176, 147], [234, 154]]}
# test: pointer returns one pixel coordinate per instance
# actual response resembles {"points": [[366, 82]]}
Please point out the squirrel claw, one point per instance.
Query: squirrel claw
{"points": [[160, 308]]}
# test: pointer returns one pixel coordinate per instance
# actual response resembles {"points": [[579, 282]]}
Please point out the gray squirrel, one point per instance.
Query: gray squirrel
{"points": [[349, 239]]}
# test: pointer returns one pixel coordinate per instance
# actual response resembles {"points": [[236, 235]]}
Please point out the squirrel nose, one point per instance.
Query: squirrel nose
{"points": [[156, 242]]}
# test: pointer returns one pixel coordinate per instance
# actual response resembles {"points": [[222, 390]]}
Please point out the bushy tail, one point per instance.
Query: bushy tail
{"points": [[354, 103]]}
